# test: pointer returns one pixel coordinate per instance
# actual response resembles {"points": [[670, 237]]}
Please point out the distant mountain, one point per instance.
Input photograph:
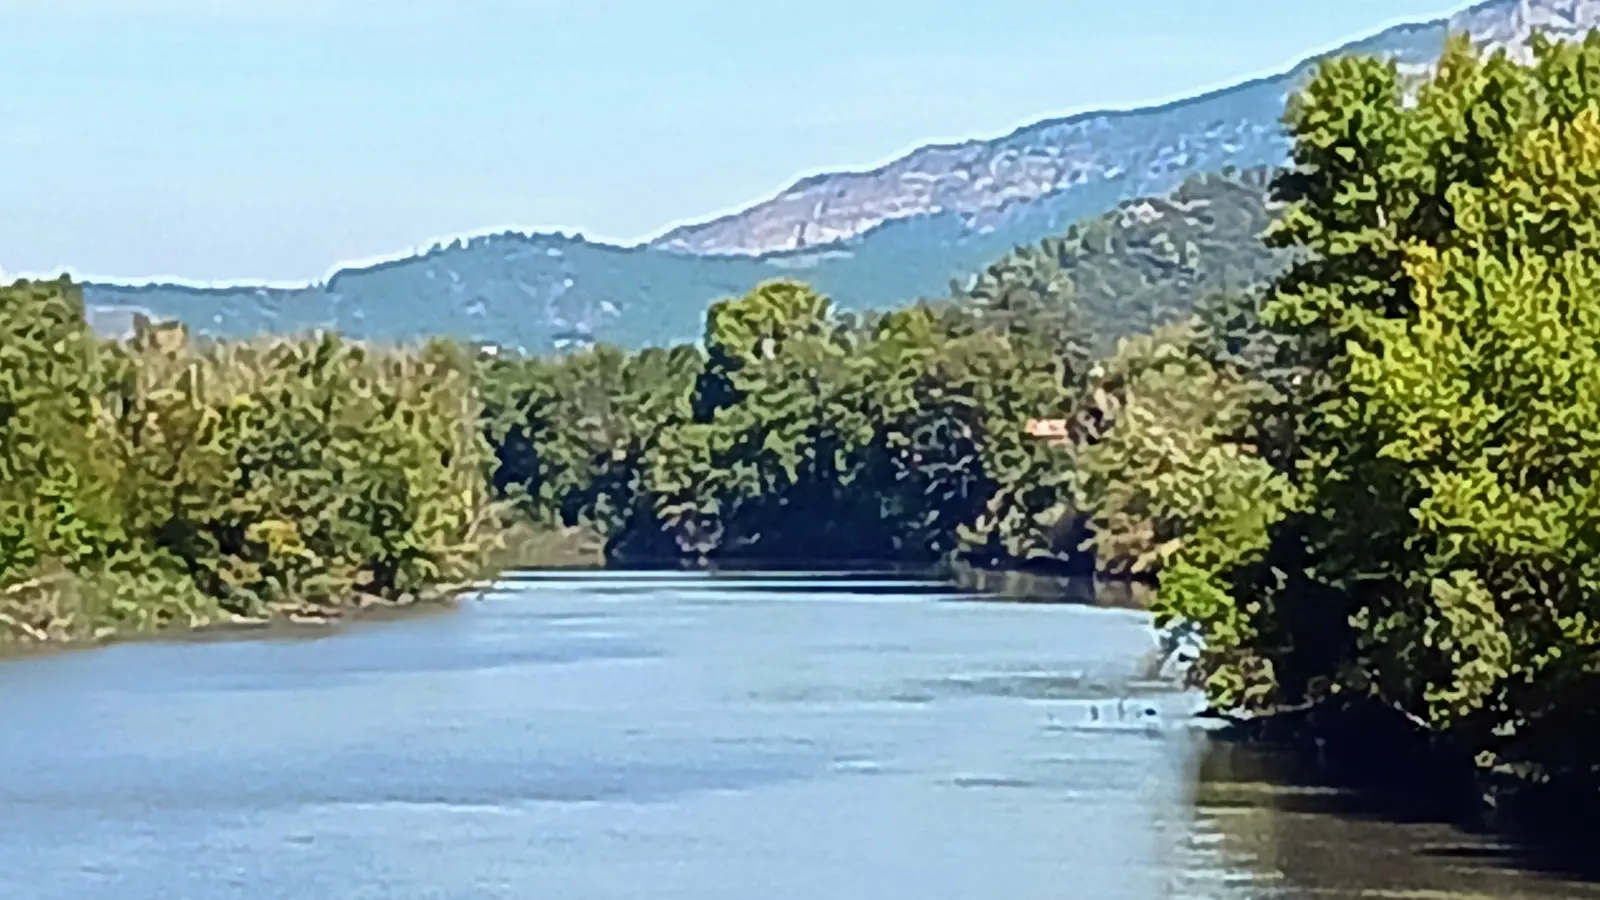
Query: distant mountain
{"points": [[538, 292], [869, 239], [1139, 153]]}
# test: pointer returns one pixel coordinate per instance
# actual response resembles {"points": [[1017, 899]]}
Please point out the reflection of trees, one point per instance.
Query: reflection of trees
{"points": [[1269, 828]]}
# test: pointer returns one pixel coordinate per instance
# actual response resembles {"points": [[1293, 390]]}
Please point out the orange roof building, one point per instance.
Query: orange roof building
{"points": [[1053, 429]]}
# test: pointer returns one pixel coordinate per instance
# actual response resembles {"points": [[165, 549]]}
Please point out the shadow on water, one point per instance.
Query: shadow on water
{"points": [[1008, 585], [1374, 812], [966, 583], [973, 584]]}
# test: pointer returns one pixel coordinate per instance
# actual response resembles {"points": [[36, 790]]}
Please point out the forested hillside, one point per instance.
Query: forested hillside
{"points": [[543, 293], [1148, 263]]}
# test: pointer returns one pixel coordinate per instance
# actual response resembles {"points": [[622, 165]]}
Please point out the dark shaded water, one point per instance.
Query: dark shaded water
{"points": [[674, 736]]}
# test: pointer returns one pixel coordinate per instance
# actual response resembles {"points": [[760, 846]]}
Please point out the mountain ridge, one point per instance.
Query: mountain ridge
{"points": [[824, 205], [543, 291]]}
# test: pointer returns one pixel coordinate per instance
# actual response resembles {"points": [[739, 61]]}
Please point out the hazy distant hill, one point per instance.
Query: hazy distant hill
{"points": [[870, 239], [1141, 264], [539, 291]]}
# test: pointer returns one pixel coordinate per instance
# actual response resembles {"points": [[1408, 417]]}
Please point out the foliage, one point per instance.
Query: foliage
{"points": [[1173, 473], [1440, 328], [572, 434], [159, 482], [1144, 265], [798, 433], [163, 480], [1169, 467], [795, 433]]}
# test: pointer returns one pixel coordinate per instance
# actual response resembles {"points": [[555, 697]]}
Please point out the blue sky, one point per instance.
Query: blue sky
{"points": [[274, 139]]}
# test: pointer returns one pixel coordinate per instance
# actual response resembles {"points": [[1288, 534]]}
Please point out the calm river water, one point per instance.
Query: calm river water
{"points": [[673, 736]]}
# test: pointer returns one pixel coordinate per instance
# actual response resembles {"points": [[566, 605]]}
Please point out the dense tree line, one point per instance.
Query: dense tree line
{"points": [[794, 433], [158, 482], [1389, 493], [166, 481]]}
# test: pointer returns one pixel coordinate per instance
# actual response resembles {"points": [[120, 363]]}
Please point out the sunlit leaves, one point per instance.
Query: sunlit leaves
{"points": [[1442, 324], [160, 483], [796, 433]]}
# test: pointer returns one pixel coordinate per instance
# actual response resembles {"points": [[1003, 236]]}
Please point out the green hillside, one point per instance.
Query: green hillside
{"points": [[1135, 265], [1147, 263]]}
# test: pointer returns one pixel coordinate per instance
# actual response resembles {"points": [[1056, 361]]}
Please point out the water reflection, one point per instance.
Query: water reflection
{"points": [[1273, 827], [678, 735]]}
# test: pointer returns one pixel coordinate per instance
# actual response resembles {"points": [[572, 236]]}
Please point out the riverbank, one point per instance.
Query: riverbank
{"points": [[523, 546], [39, 617], [228, 627], [1028, 586]]}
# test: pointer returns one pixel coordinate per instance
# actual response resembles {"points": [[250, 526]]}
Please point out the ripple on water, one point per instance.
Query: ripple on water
{"points": [[1032, 686], [991, 781], [480, 782], [769, 743], [277, 667]]}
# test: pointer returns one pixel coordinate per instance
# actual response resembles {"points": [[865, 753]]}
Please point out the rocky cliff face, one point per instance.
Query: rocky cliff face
{"points": [[1510, 23], [978, 178], [1129, 153]]}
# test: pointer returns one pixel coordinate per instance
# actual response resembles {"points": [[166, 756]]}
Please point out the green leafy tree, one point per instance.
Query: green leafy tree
{"points": [[1438, 330]]}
